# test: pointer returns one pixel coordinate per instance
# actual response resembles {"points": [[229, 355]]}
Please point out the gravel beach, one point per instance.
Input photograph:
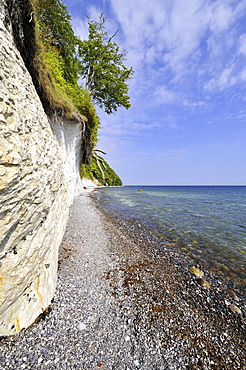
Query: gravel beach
{"points": [[126, 301]]}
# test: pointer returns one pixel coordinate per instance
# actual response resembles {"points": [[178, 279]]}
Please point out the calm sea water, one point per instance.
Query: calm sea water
{"points": [[207, 222]]}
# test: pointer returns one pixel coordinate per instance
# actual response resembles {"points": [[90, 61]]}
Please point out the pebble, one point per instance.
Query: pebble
{"points": [[235, 309], [82, 326], [196, 271], [204, 283], [232, 294]]}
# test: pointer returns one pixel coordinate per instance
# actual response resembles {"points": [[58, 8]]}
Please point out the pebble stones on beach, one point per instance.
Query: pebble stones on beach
{"points": [[198, 273], [124, 302]]}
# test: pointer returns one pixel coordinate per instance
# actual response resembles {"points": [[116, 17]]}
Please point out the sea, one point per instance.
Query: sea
{"points": [[208, 223]]}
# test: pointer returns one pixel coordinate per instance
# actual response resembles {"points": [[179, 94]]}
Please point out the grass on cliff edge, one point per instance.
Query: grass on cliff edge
{"points": [[56, 66]]}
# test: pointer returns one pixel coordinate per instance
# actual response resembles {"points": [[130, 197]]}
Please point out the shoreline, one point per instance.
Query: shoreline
{"points": [[122, 302], [219, 263]]}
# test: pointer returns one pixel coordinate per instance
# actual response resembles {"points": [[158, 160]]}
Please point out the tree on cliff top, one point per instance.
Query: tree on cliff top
{"points": [[97, 60], [103, 70]]}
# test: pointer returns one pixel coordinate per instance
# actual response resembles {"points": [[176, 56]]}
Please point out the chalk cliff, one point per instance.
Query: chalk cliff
{"points": [[39, 177]]}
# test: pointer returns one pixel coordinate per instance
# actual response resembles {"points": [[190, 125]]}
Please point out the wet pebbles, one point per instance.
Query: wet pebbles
{"points": [[125, 300]]}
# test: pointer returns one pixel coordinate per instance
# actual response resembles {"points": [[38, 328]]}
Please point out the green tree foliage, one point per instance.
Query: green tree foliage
{"points": [[103, 69], [92, 172], [59, 69], [97, 60], [56, 30], [57, 44]]}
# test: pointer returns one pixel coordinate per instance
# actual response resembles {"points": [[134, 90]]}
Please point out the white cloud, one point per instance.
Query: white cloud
{"points": [[173, 33], [164, 29], [226, 78], [164, 96], [243, 75], [241, 115], [242, 44], [220, 16], [174, 154], [193, 104], [127, 126], [173, 42], [80, 27], [221, 74], [230, 76]]}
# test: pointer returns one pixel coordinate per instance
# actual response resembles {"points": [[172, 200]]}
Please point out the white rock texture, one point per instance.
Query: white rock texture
{"points": [[68, 135], [89, 184], [39, 163]]}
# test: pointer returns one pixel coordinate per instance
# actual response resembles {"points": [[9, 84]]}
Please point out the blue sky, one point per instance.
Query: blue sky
{"points": [[187, 122]]}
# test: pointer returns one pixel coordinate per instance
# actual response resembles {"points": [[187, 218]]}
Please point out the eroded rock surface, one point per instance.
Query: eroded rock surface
{"points": [[39, 162]]}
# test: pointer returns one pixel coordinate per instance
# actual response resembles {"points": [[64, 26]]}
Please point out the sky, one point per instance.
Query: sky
{"points": [[187, 120]]}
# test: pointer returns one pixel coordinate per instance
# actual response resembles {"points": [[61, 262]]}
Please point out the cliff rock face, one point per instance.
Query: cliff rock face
{"points": [[39, 162]]}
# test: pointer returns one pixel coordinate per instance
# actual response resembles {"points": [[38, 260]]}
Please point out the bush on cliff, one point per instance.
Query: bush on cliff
{"points": [[92, 172]]}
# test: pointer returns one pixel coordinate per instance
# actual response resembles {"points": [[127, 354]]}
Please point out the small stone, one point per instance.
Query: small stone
{"points": [[227, 303], [136, 362], [235, 309], [204, 283], [81, 326], [222, 267], [232, 294], [196, 271], [127, 338]]}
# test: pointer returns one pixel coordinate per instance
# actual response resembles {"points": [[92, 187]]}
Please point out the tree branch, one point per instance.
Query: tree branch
{"points": [[98, 165], [90, 77], [99, 150], [109, 40]]}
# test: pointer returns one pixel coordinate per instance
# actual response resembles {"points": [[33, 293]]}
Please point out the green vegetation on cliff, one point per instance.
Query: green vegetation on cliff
{"points": [[92, 171], [63, 60], [58, 67]]}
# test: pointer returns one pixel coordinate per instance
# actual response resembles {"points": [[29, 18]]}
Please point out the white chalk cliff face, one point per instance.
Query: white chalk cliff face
{"points": [[39, 176]]}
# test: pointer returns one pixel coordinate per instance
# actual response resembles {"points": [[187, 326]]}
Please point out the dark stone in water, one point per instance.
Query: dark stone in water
{"points": [[204, 283], [231, 293]]}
